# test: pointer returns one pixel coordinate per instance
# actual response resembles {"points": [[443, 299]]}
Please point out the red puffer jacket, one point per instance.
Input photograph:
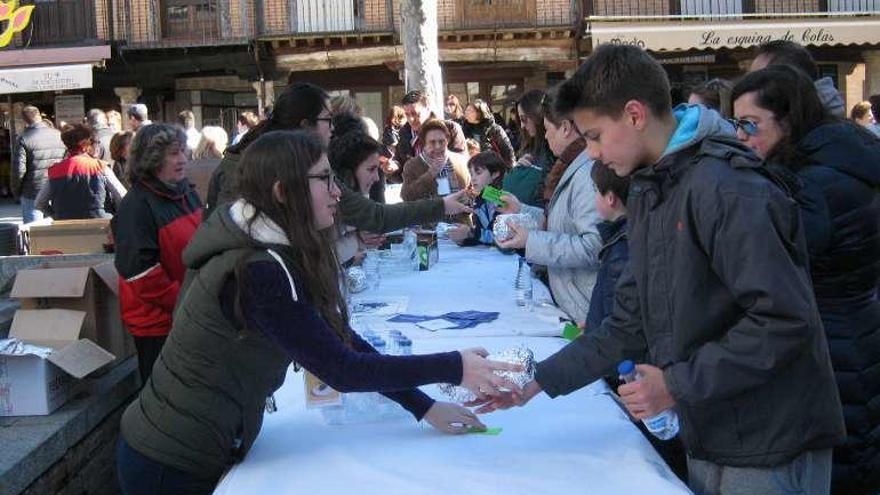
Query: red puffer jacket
{"points": [[152, 227]]}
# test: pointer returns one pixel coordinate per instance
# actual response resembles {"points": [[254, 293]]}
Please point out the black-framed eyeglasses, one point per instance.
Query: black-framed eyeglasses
{"points": [[328, 120], [749, 127], [329, 178]]}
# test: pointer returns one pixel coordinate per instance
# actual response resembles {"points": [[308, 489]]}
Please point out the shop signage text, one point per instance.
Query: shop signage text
{"points": [[806, 36], [51, 78], [685, 36]]}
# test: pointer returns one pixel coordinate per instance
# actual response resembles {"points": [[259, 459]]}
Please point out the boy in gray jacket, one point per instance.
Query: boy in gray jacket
{"points": [[716, 300]]}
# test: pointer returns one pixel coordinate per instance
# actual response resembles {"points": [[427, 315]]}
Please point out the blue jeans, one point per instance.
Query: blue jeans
{"points": [[140, 475], [29, 213]]}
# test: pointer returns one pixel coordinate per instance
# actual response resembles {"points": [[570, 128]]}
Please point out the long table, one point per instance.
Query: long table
{"points": [[580, 443]]}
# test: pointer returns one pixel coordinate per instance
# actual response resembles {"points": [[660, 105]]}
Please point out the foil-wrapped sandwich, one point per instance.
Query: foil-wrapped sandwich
{"points": [[518, 355], [501, 229], [356, 278]]}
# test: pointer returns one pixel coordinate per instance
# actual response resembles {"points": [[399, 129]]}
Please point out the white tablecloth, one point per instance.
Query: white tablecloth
{"points": [[581, 443], [472, 278]]}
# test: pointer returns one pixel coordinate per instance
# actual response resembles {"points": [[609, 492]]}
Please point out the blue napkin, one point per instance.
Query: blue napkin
{"points": [[461, 319]]}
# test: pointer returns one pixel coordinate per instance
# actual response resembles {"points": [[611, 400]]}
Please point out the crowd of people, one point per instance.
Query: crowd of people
{"points": [[730, 246]]}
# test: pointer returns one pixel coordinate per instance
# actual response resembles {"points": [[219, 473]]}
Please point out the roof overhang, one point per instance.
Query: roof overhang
{"points": [[683, 35]]}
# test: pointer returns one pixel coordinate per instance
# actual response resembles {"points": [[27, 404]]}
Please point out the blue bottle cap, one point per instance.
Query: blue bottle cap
{"points": [[625, 367]]}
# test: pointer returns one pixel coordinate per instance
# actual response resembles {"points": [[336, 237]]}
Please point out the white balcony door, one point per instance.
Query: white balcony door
{"points": [[854, 5], [324, 16], [711, 8]]}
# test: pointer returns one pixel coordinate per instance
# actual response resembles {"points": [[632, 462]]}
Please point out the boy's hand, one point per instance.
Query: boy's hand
{"points": [[458, 233], [648, 396], [511, 204]]}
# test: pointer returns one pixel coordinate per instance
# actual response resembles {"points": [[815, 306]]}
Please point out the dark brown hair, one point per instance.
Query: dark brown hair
{"points": [[791, 97], [531, 104], [298, 102], [75, 137], [285, 157], [606, 180], [491, 162], [782, 52], [612, 76], [118, 142], [434, 125]]}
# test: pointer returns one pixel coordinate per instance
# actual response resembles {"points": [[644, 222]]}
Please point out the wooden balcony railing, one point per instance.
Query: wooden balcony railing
{"points": [[280, 18], [722, 9], [63, 23]]}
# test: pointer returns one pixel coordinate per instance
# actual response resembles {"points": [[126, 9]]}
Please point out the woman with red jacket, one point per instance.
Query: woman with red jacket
{"points": [[155, 222]]}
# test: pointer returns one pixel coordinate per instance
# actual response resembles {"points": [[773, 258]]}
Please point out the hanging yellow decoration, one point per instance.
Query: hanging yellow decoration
{"points": [[17, 18]]}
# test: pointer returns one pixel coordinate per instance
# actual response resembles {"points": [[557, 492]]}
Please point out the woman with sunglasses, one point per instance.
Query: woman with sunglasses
{"points": [[780, 116], [263, 292]]}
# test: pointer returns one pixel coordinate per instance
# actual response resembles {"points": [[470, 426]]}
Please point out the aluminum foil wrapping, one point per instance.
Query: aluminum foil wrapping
{"points": [[357, 279], [502, 231], [518, 355], [442, 229], [15, 347]]}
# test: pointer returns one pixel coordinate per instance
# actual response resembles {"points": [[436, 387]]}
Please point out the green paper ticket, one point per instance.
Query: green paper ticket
{"points": [[493, 195], [489, 431]]}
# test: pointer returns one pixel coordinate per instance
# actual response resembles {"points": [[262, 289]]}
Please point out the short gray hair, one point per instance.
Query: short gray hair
{"points": [[139, 112], [96, 118], [149, 147]]}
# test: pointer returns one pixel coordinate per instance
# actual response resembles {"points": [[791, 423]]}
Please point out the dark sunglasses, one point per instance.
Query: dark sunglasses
{"points": [[747, 126]]}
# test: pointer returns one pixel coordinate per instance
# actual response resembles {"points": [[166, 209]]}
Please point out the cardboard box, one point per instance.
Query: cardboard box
{"points": [[33, 385], [92, 289], [70, 237]]}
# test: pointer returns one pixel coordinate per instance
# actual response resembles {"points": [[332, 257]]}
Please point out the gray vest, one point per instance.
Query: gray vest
{"points": [[203, 406]]}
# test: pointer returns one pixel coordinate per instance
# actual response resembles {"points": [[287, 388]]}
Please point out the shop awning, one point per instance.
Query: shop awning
{"points": [[680, 35], [49, 69]]}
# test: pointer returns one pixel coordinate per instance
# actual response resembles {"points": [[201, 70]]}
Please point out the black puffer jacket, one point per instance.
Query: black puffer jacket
{"points": [[491, 136], [840, 207], [39, 147]]}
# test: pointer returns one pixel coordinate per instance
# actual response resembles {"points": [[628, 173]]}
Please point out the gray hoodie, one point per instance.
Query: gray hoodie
{"points": [[830, 97]]}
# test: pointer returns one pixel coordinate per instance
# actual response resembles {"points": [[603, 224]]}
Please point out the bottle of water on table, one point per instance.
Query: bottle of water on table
{"points": [[665, 424], [523, 284]]}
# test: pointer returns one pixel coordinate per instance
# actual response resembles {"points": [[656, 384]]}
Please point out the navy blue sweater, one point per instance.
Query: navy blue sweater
{"points": [[612, 259], [296, 326]]}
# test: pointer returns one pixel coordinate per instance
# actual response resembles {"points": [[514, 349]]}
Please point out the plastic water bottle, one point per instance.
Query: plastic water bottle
{"points": [[410, 249], [371, 269], [405, 346], [665, 424], [523, 284]]}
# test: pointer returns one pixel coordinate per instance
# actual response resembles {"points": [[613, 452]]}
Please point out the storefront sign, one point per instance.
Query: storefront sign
{"points": [[16, 19], [674, 35], [50, 78], [69, 109]]}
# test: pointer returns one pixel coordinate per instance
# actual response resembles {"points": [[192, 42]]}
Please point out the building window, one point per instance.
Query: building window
{"points": [[196, 19]]}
